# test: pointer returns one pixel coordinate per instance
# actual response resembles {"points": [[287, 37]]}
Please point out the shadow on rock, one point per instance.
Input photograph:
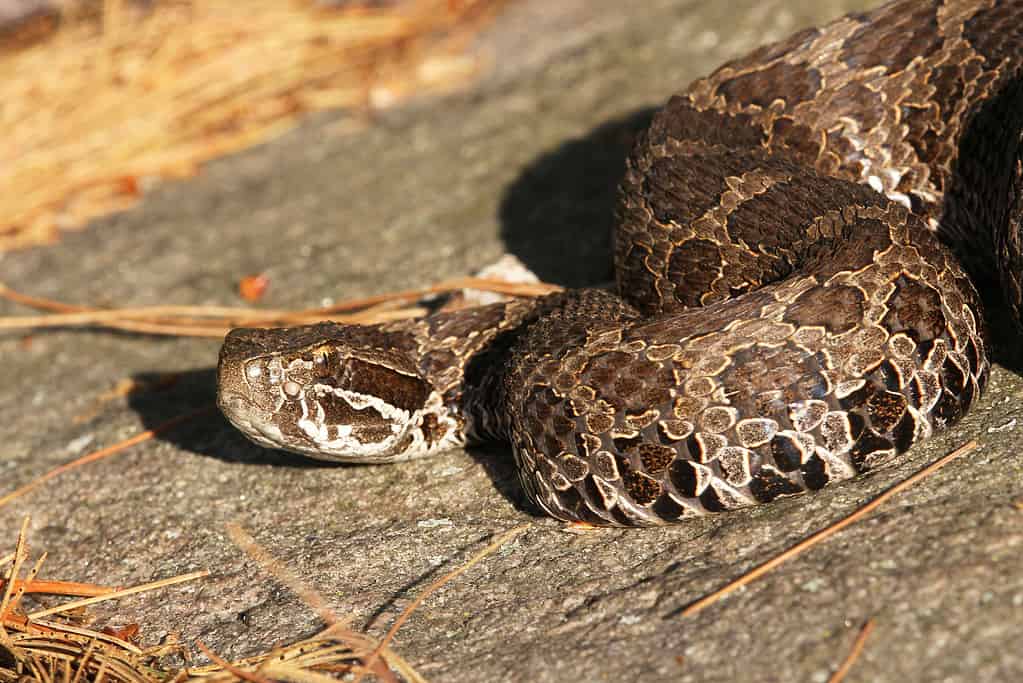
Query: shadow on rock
{"points": [[497, 461], [558, 215], [165, 396], [1003, 332]]}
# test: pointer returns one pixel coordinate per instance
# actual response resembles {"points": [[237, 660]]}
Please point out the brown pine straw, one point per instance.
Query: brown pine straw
{"points": [[854, 652], [75, 604], [20, 554], [33, 649], [81, 590], [824, 534], [216, 321], [37, 649], [230, 668], [101, 108], [19, 592]]}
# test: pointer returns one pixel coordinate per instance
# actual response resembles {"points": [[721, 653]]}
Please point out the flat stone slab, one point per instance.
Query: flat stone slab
{"points": [[525, 163]]}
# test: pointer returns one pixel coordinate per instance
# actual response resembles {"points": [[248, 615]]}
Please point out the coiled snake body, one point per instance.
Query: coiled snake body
{"points": [[790, 311]]}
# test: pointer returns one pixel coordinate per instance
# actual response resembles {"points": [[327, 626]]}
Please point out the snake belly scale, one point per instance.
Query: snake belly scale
{"points": [[797, 241]]}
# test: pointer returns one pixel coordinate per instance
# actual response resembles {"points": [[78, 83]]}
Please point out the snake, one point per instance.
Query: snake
{"points": [[800, 238]]}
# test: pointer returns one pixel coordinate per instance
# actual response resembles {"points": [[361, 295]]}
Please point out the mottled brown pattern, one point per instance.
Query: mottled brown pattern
{"points": [[789, 309], [754, 86]]}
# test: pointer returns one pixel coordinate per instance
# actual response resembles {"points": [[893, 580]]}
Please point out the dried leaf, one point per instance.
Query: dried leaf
{"points": [[252, 288]]}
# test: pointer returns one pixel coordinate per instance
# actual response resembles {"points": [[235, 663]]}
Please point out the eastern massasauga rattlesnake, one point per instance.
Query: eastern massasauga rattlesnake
{"points": [[787, 315]]}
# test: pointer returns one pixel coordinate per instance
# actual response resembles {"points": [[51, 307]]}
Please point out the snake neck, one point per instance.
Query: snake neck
{"points": [[540, 327]]}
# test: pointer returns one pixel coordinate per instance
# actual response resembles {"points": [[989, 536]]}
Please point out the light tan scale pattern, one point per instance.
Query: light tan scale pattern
{"points": [[648, 426]]}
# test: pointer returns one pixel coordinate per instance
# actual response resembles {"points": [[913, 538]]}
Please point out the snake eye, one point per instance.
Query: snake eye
{"points": [[254, 370], [321, 361], [292, 389]]}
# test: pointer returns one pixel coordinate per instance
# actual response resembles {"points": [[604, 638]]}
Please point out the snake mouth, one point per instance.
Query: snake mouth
{"points": [[256, 424]]}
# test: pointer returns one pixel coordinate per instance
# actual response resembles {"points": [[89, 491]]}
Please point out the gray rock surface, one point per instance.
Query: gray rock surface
{"points": [[526, 163]]}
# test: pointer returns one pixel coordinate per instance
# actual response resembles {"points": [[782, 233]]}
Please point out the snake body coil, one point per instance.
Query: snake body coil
{"points": [[790, 311]]}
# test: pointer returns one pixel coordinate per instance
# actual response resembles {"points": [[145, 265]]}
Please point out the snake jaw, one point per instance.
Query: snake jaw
{"points": [[254, 424]]}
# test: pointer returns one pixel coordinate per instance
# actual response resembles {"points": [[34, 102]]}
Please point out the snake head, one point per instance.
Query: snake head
{"points": [[323, 391]]}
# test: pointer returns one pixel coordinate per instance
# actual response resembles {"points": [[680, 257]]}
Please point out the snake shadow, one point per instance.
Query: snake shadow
{"points": [[1003, 333], [160, 398], [557, 215]]}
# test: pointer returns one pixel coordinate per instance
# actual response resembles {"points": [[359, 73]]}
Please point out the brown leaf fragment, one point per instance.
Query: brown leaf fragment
{"points": [[252, 288]]}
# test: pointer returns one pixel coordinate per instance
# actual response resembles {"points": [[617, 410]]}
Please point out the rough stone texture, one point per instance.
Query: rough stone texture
{"points": [[526, 162]]}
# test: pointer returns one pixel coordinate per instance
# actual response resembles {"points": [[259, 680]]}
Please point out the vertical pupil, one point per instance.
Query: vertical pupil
{"points": [[320, 362]]}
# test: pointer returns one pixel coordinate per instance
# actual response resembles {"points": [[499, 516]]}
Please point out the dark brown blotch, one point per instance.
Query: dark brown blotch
{"points": [[712, 501], [973, 356], [625, 444], [948, 409], [953, 377], [791, 83], [655, 458], [577, 507], [894, 37], [667, 508], [394, 388], [869, 443], [869, 236], [857, 397], [287, 418], [563, 425], [684, 477], [337, 411], [996, 32], [642, 489], [889, 376], [904, 433], [786, 453], [801, 141], [689, 264], [815, 472], [885, 409], [915, 308], [680, 120]]}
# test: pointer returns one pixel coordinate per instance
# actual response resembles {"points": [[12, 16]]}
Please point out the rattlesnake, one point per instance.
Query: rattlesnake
{"points": [[790, 313]]}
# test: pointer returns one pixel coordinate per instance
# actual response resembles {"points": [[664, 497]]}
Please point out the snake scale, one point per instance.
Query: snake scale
{"points": [[797, 240]]}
